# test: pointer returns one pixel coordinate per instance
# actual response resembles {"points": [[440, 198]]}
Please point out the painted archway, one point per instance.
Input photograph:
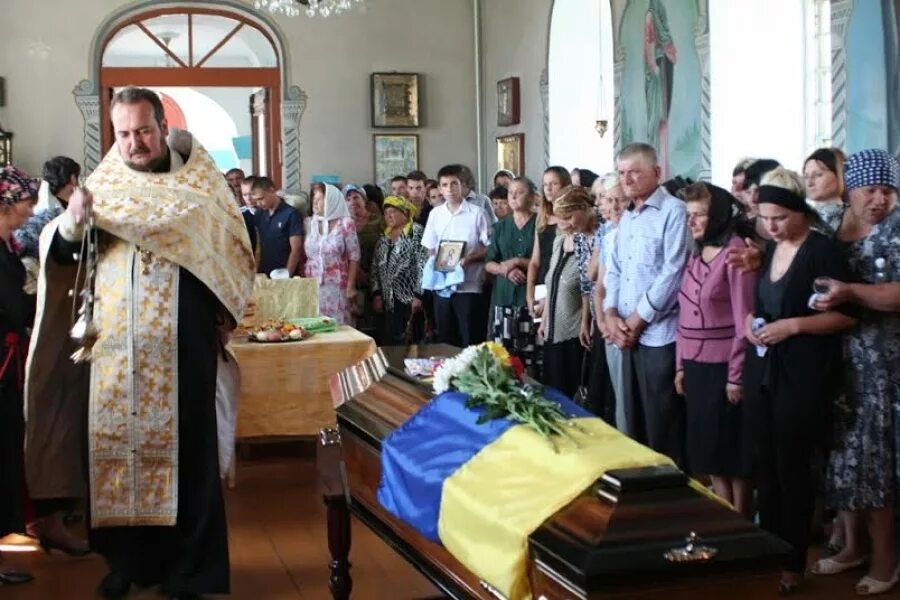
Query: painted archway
{"points": [[90, 95]]}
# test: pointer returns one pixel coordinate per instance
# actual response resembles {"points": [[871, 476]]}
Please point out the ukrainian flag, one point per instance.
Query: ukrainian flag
{"points": [[481, 490]]}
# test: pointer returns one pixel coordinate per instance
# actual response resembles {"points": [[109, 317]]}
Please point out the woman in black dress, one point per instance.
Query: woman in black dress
{"points": [[18, 195], [792, 370]]}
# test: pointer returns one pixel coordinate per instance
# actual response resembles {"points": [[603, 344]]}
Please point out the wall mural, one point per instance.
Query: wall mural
{"points": [[662, 79], [868, 92]]}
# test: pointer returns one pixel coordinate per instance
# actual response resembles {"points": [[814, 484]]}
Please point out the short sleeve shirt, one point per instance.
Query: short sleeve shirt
{"points": [[468, 224], [275, 232]]}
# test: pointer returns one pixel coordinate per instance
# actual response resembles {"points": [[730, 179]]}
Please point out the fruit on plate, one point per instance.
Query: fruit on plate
{"points": [[274, 330]]}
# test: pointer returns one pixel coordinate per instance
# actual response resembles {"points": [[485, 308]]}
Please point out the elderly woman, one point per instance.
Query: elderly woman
{"points": [[566, 318], [713, 302], [18, 195], [332, 253], [792, 374], [369, 222], [824, 174], [612, 203], [864, 465], [396, 275]]}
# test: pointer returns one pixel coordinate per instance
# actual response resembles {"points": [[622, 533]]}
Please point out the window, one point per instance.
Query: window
{"points": [[580, 68], [189, 40], [759, 82]]}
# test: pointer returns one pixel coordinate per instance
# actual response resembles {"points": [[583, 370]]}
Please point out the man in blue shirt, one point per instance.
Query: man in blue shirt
{"points": [[642, 280], [280, 230]]}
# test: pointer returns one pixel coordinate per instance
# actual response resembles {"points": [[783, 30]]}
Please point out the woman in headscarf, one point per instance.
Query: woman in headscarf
{"points": [[18, 195], [864, 465], [332, 253], [793, 374], [397, 270], [714, 301]]}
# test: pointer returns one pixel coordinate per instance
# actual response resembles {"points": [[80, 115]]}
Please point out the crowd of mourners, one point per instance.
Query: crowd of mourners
{"points": [[750, 332]]}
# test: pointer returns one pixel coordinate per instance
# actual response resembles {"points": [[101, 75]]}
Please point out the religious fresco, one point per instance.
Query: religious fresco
{"points": [[659, 80], [870, 93]]}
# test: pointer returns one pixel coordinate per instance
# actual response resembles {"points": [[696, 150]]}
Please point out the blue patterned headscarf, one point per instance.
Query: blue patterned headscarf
{"points": [[15, 185], [871, 167]]}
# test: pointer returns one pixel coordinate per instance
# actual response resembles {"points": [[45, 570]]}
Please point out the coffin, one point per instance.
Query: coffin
{"points": [[635, 533]]}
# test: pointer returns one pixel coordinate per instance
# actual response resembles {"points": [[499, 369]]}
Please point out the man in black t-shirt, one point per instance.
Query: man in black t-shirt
{"points": [[280, 230]]}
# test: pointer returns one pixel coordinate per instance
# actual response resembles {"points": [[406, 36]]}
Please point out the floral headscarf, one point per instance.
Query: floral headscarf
{"points": [[15, 185]]}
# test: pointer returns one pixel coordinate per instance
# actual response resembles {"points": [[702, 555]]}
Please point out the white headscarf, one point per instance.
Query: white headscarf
{"points": [[335, 208]]}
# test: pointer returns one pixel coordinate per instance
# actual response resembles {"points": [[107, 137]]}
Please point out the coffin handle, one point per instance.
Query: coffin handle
{"points": [[693, 551]]}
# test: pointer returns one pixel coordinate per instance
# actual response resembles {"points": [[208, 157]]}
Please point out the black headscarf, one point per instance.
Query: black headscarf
{"points": [[726, 218]]}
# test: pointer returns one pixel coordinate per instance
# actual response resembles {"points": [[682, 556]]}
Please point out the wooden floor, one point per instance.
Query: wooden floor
{"points": [[278, 550]]}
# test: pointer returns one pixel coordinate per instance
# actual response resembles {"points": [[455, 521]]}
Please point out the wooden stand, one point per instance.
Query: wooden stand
{"points": [[335, 495]]}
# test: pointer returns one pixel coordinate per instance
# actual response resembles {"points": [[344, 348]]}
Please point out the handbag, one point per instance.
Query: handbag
{"points": [[581, 393]]}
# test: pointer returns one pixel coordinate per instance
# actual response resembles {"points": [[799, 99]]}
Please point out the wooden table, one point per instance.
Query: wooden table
{"points": [[285, 387]]}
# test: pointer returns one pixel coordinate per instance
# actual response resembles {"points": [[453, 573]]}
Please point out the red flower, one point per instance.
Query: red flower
{"points": [[518, 369]]}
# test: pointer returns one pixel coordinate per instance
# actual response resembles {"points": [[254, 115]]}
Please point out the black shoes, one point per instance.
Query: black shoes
{"points": [[15, 577], [114, 586]]}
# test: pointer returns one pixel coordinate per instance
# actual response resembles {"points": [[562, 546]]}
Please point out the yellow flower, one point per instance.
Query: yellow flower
{"points": [[499, 352]]}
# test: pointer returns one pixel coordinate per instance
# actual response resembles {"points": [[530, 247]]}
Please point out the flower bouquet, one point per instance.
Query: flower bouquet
{"points": [[494, 382]]}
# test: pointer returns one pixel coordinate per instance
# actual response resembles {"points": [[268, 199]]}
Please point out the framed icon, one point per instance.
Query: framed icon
{"points": [[395, 99], [511, 153], [448, 255], [508, 106], [395, 154]]}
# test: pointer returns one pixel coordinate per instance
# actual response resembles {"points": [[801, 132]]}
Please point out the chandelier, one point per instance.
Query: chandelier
{"points": [[292, 8]]}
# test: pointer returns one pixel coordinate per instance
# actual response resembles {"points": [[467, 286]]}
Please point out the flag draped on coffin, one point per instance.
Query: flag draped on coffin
{"points": [[481, 490]]}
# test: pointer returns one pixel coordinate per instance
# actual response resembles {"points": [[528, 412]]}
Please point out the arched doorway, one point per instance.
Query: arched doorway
{"points": [[210, 44]]}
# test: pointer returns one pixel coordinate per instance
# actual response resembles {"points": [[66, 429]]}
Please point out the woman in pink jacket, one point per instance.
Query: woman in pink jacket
{"points": [[714, 301]]}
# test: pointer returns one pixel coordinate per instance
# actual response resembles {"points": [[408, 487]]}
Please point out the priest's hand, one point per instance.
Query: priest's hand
{"points": [[80, 203]]}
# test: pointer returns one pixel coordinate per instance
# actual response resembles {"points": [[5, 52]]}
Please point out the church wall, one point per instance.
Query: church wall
{"points": [[45, 56], [515, 45]]}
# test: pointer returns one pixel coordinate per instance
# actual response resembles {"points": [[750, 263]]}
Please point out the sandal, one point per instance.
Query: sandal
{"points": [[830, 566], [869, 586]]}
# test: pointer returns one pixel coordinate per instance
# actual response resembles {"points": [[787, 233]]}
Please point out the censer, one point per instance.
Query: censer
{"points": [[85, 331]]}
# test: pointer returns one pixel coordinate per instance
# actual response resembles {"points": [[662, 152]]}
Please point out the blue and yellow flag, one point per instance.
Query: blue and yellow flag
{"points": [[481, 490]]}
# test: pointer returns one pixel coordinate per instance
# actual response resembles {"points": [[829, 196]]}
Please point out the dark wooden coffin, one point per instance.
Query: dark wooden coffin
{"points": [[639, 533]]}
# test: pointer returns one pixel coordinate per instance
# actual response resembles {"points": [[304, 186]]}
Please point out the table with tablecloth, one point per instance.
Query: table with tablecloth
{"points": [[285, 386]]}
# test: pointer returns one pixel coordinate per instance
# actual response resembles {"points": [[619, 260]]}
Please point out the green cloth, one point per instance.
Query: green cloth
{"points": [[315, 324], [510, 242]]}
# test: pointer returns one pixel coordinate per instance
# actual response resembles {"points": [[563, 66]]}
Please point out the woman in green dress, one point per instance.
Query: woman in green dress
{"points": [[507, 259]]}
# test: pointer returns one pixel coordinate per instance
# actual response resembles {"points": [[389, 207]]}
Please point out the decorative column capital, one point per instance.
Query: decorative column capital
{"points": [[293, 105], [88, 101]]}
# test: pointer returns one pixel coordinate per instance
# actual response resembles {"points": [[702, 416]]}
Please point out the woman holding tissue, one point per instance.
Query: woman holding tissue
{"points": [[710, 346], [792, 370], [864, 465]]}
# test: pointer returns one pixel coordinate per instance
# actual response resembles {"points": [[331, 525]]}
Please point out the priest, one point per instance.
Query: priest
{"points": [[173, 273]]}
